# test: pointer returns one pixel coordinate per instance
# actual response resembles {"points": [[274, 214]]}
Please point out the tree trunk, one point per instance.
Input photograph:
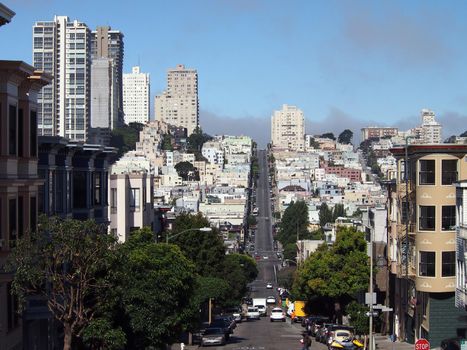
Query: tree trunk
{"points": [[68, 336]]}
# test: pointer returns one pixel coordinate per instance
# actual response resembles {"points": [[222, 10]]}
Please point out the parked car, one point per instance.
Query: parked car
{"points": [[317, 325], [339, 333], [224, 324], [270, 300], [213, 336], [277, 314], [252, 313], [269, 285], [229, 320]]}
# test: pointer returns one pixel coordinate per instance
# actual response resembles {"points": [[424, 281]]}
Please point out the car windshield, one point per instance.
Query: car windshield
{"points": [[342, 334], [277, 310], [213, 331]]}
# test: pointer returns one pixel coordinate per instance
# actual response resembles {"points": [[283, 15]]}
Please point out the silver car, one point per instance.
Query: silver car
{"points": [[213, 336]]}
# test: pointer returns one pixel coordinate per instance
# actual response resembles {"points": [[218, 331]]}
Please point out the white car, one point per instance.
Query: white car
{"points": [[269, 285], [277, 314], [262, 310], [252, 313], [265, 257], [270, 300]]}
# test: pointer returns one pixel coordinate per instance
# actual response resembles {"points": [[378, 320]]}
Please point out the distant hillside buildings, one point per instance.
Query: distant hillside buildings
{"points": [[288, 128], [178, 105]]}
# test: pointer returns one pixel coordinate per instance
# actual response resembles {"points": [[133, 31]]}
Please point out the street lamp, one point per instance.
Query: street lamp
{"points": [[202, 229]]}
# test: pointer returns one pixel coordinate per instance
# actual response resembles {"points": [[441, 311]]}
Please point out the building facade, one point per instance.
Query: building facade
{"points": [[178, 105], [431, 130], [63, 48], [371, 132], [461, 245], [136, 90], [288, 129], [422, 242], [104, 101], [108, 43], [19, 182]]}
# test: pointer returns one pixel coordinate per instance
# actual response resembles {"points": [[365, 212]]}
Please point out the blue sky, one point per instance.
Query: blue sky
{"points": [[345, 63]]}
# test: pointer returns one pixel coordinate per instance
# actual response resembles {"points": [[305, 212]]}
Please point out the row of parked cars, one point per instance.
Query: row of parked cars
{"points": [[218, 331], [327, 333]]}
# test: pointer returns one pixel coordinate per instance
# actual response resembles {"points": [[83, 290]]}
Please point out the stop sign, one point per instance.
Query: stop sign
{"points": [[422, 344]]}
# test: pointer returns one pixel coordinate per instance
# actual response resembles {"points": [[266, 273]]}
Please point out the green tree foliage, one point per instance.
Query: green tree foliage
{"points": [[64, 262], [101, 334], [196, 141], [345, 137], [358, 318], [294, 223], [314, 144], [167, 142], [187, 171], [157, 284], [325, 214], [239, 270], [464, 134], [285, 276], [124, 138], [328, 135], [290, 250], [205, 249], [251, 220], [338, 272], [338, 211], [212, 287]]}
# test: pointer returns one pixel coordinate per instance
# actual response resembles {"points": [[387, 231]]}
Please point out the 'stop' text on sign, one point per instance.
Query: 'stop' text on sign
{"points": [[422, 344]]}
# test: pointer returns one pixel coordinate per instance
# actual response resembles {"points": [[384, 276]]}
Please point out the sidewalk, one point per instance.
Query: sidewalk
{"points": [[384, 343]]}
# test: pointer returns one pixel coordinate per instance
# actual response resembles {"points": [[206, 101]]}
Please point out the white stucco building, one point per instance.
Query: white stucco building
{"points": [[136, 89], [288, 128]]}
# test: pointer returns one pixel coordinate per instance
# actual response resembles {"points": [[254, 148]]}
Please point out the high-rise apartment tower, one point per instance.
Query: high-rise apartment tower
{"points": [[63, 48], [288, 128], [178, 105], [136, 96]]}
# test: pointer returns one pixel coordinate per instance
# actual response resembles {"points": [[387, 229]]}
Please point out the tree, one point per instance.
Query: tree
{"points": [[124, 138], [205, 249], [285, 276], [338, 272], [238, 271], [328, 135], [345, 137], [358, 318], [464, 134], [294, 223], [167, 142], [187, 171], [313, 143], [64, 263], [196, 141], [157, 284], [325, 214], [338, 211]]}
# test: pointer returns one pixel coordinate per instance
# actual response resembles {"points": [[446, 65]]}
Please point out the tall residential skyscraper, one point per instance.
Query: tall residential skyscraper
{"points": [[63, 48], [108, 43], [136, 96], [178, 105], [288, 128], [430, 128]]}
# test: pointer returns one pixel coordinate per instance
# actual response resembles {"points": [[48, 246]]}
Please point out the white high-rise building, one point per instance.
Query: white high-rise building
{"points": [[430, 129], [288, 128], [104, 100], [136, 89], [63, 48], [178, 105]]}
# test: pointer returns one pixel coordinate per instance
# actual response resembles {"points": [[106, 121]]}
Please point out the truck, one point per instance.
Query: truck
{"points": [[298, 308], [261, 304]]}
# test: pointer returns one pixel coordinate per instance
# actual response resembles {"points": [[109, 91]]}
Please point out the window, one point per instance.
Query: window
{"points": [[20, 217], [97, 188], [427, 172], [20, 133], [427, 218], [33, 134], [134, 199], [33, 214], [12, 134], [448, 218], [79, 189], [12, 308], [449, 264], [113, 201], [449, 172], [427, 264], [12, 221]]}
